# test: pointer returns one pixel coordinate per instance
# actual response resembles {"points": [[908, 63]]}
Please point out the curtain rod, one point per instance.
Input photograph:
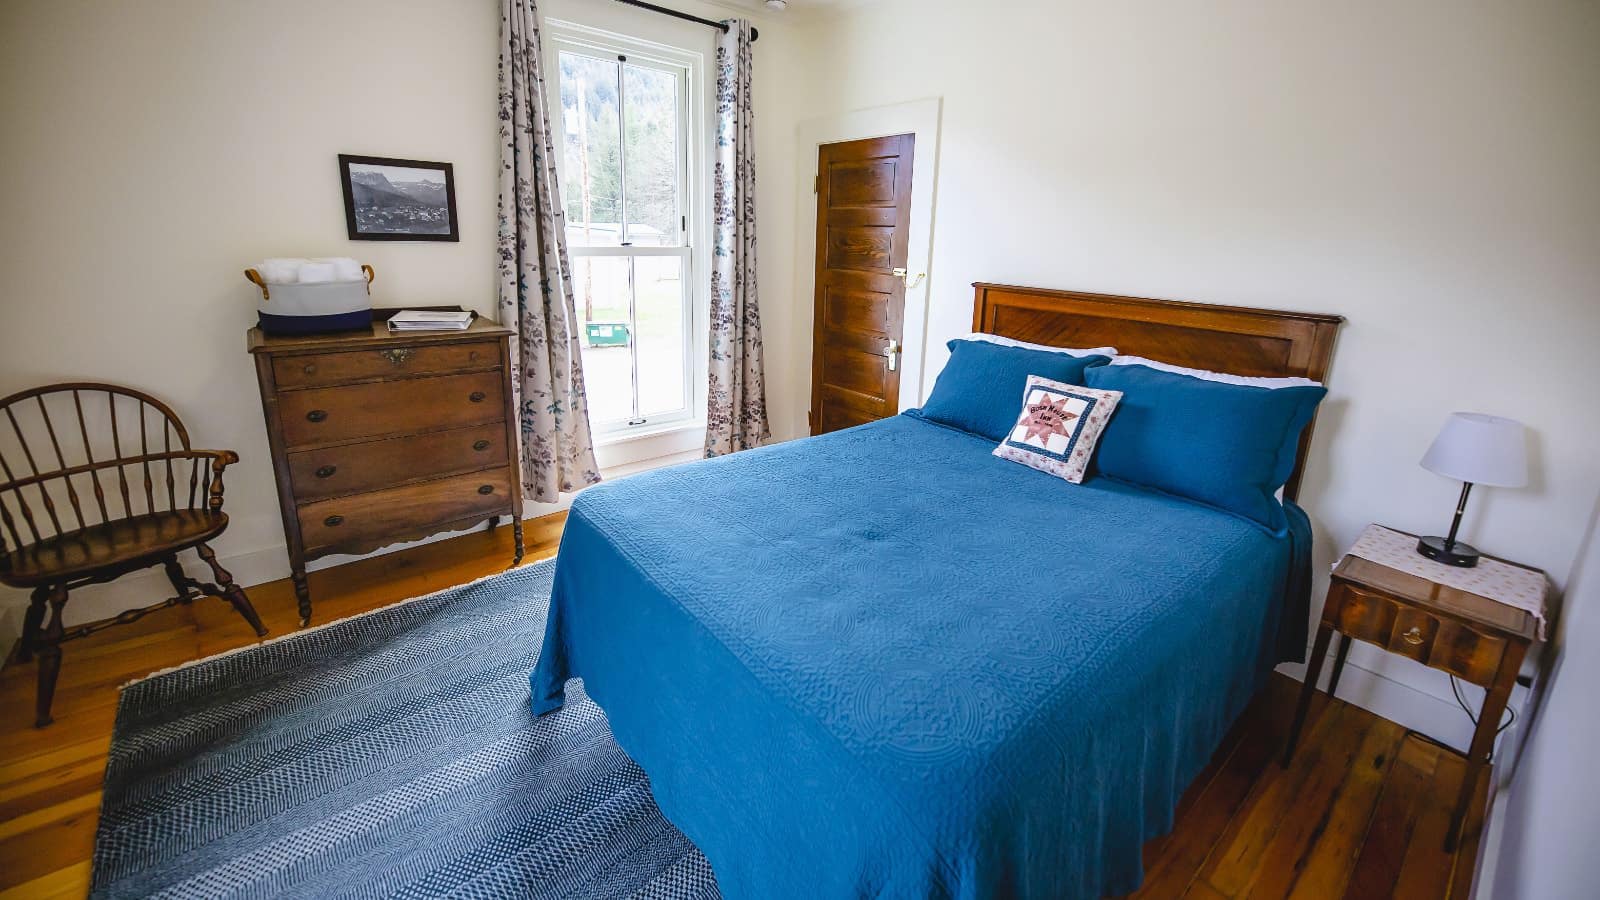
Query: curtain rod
{"points": [[720, 26]]}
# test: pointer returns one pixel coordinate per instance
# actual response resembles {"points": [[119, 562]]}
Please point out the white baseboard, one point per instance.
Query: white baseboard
{"points": [[252, 567], [248, 568], [1408, 694]]}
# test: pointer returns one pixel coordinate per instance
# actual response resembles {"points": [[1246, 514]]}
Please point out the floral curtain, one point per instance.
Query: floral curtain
{"points": [[736, 401], [535, 280]]}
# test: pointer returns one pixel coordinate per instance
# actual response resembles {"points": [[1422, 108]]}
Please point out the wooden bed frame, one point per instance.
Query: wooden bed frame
{"points": [[1233, 339]]}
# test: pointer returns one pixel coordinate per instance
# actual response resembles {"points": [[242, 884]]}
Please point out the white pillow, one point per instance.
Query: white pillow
{"points": [[1206, 375], [1058, 427], [1010, 342]]}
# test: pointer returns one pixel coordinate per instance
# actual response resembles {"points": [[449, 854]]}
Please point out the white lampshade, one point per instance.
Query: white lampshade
{"points": [[1480, 448]]}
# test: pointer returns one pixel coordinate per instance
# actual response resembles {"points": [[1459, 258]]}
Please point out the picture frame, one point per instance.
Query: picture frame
{"points": [[389, 199]]}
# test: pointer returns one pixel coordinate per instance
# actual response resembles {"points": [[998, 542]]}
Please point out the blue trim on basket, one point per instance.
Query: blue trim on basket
{"points": [[359, 320]]}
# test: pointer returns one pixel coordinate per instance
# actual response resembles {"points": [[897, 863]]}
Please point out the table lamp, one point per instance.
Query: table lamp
{"points": [[1473, 448]]}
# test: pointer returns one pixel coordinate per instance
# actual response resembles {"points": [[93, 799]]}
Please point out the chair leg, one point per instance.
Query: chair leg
{"points": [[180, 581], [50, 656], [232, 592], [32, 621]]}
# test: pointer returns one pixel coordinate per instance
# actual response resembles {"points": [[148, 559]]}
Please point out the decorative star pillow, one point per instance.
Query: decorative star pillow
{"points": [[1058, 428]]}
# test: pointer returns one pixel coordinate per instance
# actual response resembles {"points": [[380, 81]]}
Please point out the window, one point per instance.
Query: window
{"points": [[627, 190]]}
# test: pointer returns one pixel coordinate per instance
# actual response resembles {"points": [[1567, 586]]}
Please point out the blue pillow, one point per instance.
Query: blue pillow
{"points": [[981, 387], [1230, 446]]}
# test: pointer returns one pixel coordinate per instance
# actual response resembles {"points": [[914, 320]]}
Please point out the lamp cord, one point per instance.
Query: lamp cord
{"points": [[1455, 688]]}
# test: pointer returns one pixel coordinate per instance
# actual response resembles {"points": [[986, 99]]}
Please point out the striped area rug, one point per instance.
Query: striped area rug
{"points": [[388, 755]]}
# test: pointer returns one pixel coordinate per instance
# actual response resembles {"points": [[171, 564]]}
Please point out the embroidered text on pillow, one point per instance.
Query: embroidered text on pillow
{"points": [[1058, 427]]}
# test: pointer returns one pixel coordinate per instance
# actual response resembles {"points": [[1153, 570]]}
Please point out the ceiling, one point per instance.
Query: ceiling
{"points": [[796, 7]]}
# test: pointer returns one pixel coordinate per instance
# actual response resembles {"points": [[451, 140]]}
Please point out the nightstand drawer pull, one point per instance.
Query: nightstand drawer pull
{"points": [[480, 446], [477, 396], [486, 489], [326, 471], [316, 415], [1414, 636], [333, 521]]}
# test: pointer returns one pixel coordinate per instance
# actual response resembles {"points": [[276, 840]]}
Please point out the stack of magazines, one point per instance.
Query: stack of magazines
{"points": [[430, 320]]}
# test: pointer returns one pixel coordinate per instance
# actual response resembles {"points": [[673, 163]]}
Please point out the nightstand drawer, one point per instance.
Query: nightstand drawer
{"points": [[1435, 641]]}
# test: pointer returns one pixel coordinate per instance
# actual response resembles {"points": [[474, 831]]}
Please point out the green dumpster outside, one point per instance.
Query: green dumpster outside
{"points": [[607, 334]]}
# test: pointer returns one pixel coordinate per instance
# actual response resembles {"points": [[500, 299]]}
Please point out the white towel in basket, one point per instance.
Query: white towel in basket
{"points": [[281, 269], [344, 268]]}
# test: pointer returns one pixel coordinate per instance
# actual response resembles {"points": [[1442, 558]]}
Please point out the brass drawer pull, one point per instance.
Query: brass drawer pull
{"points": [[310, 369], [486, 489], [333, 521], [316, 415], [1414, 636], [397, 356], [477, 396], [472, 356], [327, 471], [480, 445]]}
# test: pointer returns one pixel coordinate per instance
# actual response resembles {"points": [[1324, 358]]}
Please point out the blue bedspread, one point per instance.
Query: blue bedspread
{"points": [[884, 663]]}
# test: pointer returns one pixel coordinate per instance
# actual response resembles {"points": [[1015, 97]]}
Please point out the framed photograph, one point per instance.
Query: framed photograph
{"points": [[398, 199]]}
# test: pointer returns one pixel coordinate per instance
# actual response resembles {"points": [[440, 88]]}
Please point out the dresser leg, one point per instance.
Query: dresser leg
{"points": [[516, 535], [302, 594], [1338, 664], [1319, 652]]}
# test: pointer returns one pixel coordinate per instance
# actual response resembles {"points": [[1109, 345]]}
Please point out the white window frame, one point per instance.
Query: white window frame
{"points": [[658, 433]]}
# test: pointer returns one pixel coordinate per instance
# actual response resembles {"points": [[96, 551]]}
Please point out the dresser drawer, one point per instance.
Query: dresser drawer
{"points": [[367, 521], [1436, 641], [325, 415], [323, 369], [369, 466]]}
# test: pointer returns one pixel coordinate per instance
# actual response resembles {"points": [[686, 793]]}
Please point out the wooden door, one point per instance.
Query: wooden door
{"points": [[863, 226]]}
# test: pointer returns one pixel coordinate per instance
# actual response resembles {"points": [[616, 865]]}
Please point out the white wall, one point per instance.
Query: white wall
{"points": [[1547, 820], [1427, 169], [152, 151]]}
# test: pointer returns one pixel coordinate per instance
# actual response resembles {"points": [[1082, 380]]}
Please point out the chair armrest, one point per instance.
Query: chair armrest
{"points": [[220, 459]]}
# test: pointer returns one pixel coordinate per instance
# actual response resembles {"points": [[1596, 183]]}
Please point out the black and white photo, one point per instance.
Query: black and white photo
{"points": [[398, 199]]}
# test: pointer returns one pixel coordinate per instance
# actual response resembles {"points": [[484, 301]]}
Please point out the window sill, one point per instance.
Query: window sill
{"points": [[630, 447]]}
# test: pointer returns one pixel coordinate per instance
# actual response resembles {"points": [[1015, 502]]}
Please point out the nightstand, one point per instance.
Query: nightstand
{"points": [[1447, 628]]}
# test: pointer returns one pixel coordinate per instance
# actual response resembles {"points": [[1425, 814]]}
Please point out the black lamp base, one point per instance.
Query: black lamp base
{"points": [[1451, 553]]}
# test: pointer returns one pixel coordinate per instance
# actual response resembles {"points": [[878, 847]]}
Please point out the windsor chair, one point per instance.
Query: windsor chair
{"points": [[100, 481]]}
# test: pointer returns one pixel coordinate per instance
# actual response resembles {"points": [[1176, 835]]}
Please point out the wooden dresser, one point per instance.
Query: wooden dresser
{"points": [[380, 438]]}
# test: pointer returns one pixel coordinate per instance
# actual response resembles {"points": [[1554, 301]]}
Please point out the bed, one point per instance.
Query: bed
{"points": [[884, 663]]}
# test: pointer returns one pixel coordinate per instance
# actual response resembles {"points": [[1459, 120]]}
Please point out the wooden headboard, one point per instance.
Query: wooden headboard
{"points": [[1233, 339]]}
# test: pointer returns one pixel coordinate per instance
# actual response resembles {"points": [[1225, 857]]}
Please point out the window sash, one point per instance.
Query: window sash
{"points": [[684, 67]]}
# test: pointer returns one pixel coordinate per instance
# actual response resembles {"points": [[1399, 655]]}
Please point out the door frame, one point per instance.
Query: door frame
{"points": [[920, 118]]}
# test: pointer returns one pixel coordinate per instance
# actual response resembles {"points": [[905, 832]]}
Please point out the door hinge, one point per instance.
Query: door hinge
{"points": [[816, 186]]}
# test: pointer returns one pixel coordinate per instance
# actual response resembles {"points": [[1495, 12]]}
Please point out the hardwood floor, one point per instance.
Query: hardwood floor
{"points": [[1360, 813]]}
